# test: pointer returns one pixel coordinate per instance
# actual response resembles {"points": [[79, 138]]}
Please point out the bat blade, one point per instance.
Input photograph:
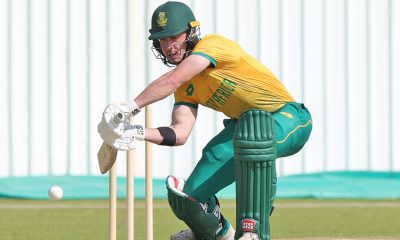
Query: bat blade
{"points": [[106, 157]]}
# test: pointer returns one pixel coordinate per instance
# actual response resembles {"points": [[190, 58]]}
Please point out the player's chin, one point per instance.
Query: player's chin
{"points": [[174, 61], [175, 58]]}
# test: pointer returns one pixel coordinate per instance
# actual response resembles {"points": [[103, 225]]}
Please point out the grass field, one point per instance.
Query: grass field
{"points": [[292, 219]]}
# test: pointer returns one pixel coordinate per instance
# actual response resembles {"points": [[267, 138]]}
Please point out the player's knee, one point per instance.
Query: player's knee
{"points": [[254, 138]]}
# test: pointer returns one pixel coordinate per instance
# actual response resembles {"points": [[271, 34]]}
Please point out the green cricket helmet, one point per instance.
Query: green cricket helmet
{"points": [[171, 19]]}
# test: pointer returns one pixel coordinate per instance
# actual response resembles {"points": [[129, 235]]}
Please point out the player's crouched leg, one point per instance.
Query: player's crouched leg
{"points": [[205, 220]]}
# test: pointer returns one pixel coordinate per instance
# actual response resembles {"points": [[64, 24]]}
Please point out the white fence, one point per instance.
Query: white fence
{"points": [[62, 61]]}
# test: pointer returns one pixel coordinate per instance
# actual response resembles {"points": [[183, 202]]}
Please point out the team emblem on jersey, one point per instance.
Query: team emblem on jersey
{"points": [[190, 90], [162, 19]]}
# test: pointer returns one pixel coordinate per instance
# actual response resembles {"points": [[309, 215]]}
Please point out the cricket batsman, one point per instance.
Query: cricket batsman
{"points": [[263, 123]]}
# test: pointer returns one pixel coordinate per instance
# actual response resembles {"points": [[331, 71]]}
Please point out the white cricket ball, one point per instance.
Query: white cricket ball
{"points": [[56, 193]]}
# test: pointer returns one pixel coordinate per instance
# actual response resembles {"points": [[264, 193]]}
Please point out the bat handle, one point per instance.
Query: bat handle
{"points": [[119, 117]]}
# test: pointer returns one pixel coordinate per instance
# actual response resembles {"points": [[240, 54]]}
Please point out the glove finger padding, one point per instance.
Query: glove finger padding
{"points": [[130, 135], [115, 129], [106, 133], [137, 132], [125, 142], [115, 118]]}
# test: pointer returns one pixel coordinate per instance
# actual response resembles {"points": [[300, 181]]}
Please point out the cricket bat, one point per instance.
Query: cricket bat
{"points": [[106, 157]]}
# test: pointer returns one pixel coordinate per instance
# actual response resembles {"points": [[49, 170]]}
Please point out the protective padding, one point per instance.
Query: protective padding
{"points": [[204, 225], [255, 154]]}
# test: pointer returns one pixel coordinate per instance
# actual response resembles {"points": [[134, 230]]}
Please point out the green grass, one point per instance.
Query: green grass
{"points": [[297, 218], [366, 220]]}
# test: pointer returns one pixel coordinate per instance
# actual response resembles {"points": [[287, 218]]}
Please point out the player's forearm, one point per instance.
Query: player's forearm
{"points": [[153, 136], [157, 90]]}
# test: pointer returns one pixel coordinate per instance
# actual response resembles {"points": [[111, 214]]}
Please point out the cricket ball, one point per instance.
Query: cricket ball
{"points": [[55, 193]]}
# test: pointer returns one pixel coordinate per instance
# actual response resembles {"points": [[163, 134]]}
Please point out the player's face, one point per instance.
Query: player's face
{"points": [[174, 47]]}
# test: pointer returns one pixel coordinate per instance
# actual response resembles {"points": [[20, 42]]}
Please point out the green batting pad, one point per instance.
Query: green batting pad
{"points": [[202, 221], [255, 154]]}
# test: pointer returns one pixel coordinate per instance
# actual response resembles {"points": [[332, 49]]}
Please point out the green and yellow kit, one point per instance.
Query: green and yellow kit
{"points": [[265, 123], [235, 81]]}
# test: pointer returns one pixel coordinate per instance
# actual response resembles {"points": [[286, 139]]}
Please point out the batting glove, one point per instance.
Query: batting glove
{"points": [[131, 134], [129, 107], [113, 122]]}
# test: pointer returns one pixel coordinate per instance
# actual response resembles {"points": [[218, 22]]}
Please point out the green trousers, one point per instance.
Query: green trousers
{"points": [[216, 169]]}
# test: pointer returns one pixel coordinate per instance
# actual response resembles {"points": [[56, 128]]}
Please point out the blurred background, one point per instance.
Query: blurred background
{"points": [[62, 62]]}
